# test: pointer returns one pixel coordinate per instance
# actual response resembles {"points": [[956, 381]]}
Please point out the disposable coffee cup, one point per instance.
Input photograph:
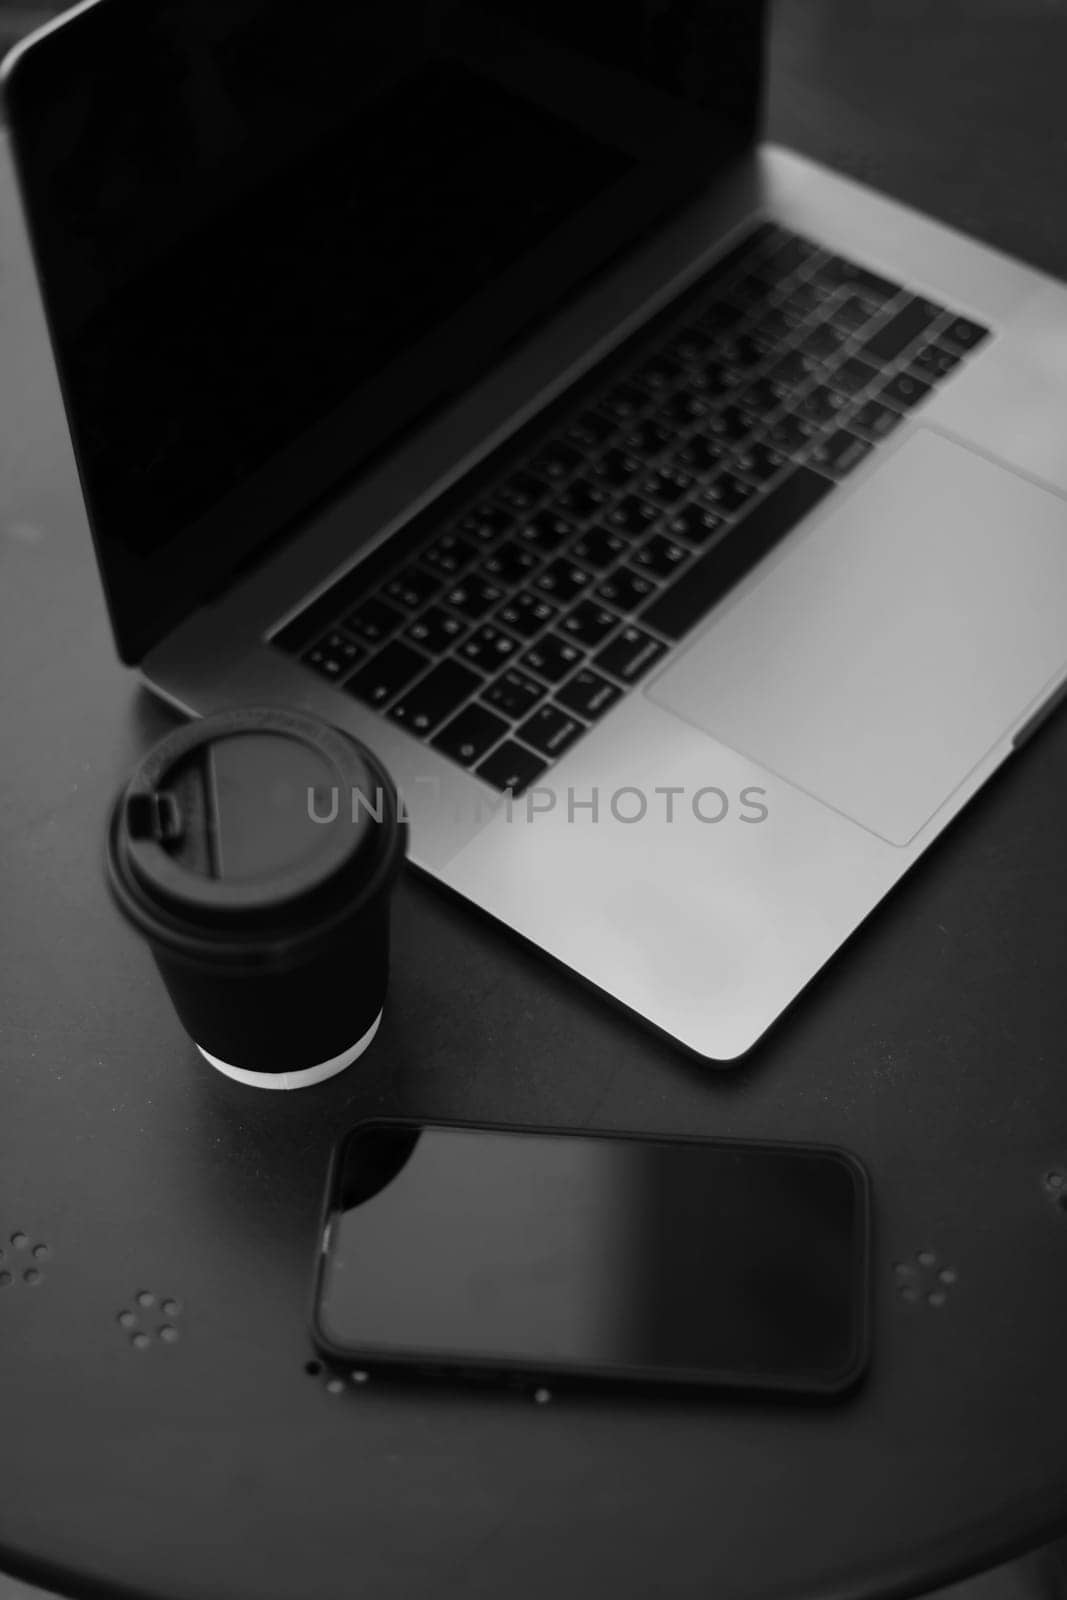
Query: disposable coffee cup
{"points": [[256, 852]]}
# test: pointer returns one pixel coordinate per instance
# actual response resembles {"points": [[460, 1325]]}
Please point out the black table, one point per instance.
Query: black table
{"points": [[217, 1463]]}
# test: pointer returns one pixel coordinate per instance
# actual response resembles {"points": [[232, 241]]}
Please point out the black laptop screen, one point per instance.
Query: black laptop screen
{"points": [[272, 238]]}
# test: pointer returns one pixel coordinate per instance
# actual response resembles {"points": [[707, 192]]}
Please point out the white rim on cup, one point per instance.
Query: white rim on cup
{"points": [[295, 1080]]}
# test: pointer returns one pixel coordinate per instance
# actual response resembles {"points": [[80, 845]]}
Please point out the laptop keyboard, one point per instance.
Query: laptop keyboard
{"points": [[529, 612]]}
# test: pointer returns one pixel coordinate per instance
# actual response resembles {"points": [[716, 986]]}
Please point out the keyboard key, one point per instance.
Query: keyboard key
{"points": [[630, 654], [700, 455], [761, 399], [521, 492], [510, 562], [545, 532], [435, 630], [383, 677], [851, 314], [758, 280], [758, 461], [807, 297], [511, 767], [824, 341], [436, 696], [934, 362], [852, 376], [716, 382], [474, 596], [731, 424], [660, 556], [728, 493], [486, 523], [648, 438], [552, 657], [333, 656], [696, 524], [616, 467], [685, 407], [582, 498], [589, 624], [840, 453], [722, 374], [588, 694], [874, 420], [753, 288], [598, 548], [667, 486], [557, 460], [513, 693], [525, 614], [633, 515], [772, 329], [551, 731], [449, 554], [903, 329], [488, 648], [624, 589], [819, 405], [472, 732], [791, 372], [748, 278], [698, 588], [374, 620], [563, 581], [792, 434], [754, 285], [741, 351], [904, 391], [962, 334], [412, 588], [338, 640], [322, 662]]}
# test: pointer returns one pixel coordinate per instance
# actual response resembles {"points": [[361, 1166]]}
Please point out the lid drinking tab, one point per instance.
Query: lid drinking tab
{"points": [[254, 813]]}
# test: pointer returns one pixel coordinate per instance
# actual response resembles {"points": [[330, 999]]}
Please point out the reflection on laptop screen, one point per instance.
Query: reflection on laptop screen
{"points": [[272, 235]]}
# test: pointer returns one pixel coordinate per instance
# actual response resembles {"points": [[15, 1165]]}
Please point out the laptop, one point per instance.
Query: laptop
{"points": [[684, 525]]}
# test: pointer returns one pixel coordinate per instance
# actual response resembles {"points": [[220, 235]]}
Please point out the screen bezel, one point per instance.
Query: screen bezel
{"points": [[148, 598], [435, 1364]]}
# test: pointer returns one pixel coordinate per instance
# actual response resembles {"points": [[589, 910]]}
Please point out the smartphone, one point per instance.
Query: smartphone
{"points": [[552, 1257]]}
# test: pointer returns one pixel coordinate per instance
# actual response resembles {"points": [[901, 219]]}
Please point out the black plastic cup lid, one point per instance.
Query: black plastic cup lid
{"points": [[256, 817]]}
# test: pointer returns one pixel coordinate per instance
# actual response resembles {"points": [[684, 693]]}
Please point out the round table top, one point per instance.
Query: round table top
{"points": [[130, 1174]]}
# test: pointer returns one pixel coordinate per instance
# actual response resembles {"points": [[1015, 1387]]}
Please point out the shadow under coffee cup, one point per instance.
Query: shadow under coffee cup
{"points": [[256, 851]]}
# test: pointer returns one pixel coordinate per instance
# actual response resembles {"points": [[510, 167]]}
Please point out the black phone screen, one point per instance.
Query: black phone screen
{"points": [[605, 1257]]}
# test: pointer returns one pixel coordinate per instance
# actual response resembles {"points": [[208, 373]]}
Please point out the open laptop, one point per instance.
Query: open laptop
{"points": [[474, 377]]}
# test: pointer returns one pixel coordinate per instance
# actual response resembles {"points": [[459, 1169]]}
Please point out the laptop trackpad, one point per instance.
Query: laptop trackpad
{"points": [[895, 642]]}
